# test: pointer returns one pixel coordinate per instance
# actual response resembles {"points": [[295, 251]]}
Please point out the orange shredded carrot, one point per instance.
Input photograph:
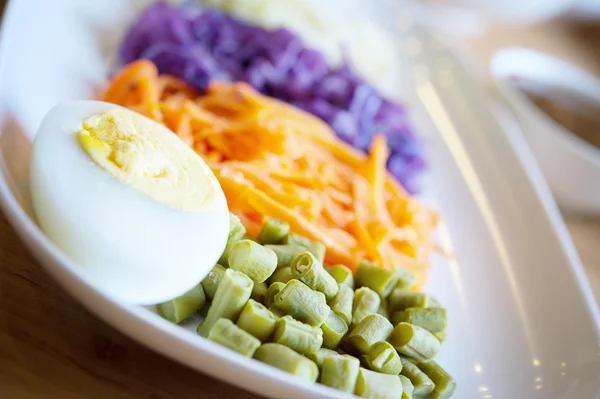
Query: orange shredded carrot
{"points": [[273, 159]]}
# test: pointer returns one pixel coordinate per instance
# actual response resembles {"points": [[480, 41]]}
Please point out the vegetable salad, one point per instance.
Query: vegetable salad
{"points": [[366, 334]]}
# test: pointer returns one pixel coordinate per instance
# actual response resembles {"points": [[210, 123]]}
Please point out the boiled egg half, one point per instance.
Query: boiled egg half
{"points": [[137, 209]]}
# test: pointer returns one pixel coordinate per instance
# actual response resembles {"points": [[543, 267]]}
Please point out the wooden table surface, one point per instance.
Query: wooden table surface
{"points": [[51, 347]]}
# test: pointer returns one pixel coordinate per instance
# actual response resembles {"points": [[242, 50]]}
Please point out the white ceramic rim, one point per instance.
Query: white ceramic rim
{"points": [[502, 72]]}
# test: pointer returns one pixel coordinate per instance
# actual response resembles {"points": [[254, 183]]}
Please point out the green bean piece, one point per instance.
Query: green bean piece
{"points": [[370, 330], [383, 358], [233, 292], [343, 275], [406, 278], [445, 384], [180, 308], [383, 309], [286, 253], [273, 231], [259, 292], [433, 320], [422, 384], [366, 301], [407, 387], [414, 342], [272, 291], [212, 280], [314, 247], [401, 299], [276, 312], [341, 303], [236, 233], [380, 280], [257, 320], [225, 333], [282, 275], [340, 372], [224, 259], [298, 336], [236, 229], [284, 358], [310, 271], [302, 303], [252, 259], [373, 385], [334, 329], [434, 303], [320, 355], [441, 336]]}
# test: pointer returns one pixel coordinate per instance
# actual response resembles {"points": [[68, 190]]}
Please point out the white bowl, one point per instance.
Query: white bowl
{"points": [[518, 315], [571, 165]]}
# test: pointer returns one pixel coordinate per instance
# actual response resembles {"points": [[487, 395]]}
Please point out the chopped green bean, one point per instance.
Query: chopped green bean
{"points": [[407, 388], [383, 358], [236, 229], [272, 291], [224, 259], [286, 359], [302, 303], [422, 384], [282, 275], [225, 333], [441, 336], [259, 292], [252, 259], [340, 372], [180, 308], [320, 355], [445, 385], [383, 309], [366, 301], [341, 303], [414, 342], [273, 231], [334, 329], [286, 253], [236, 233], [401, 299], [382, 281], [232, 294], [257, 320], [373, 385], [370, 330], [212, 280], [298, 336], [343, 275], [310, 271], [406, 278], [314, 247], [433, 320]]}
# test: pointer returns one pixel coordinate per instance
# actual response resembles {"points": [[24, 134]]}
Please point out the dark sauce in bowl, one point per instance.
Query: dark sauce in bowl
{"points": [[576, 112]]}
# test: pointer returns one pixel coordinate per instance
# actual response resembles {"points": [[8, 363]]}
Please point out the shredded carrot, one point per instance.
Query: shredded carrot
{"points": [[273, 159]]}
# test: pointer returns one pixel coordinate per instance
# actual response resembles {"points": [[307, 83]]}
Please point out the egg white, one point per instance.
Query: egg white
{"points": [[132, 247]]}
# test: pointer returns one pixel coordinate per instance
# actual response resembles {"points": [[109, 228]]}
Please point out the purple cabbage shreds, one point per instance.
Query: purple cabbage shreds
{"points": [[200, 46]]}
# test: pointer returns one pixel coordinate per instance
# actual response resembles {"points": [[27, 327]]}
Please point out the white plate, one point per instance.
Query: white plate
{"points": [[524, 323]]}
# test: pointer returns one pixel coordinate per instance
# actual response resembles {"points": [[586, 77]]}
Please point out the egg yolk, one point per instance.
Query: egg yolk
{"points": [[149, 158]]}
